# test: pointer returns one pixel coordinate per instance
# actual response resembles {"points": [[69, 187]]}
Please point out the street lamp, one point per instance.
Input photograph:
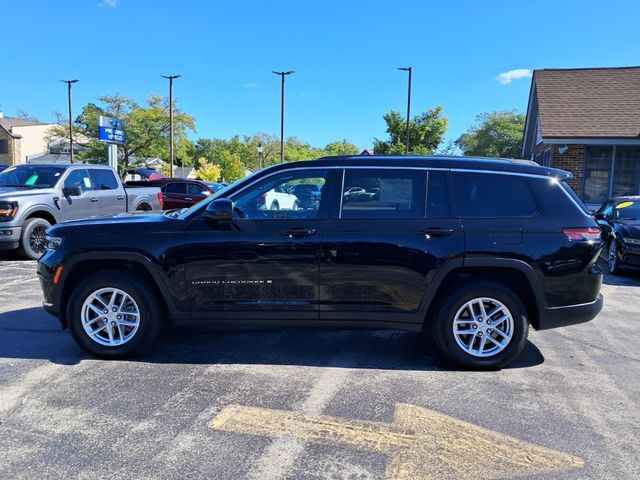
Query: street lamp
{"points": [[260, 149], [408, 69], [69, 82], [171, 78], [282, 75]]}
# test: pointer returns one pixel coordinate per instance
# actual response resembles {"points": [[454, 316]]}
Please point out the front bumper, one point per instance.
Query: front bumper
{"points": [[554, 317], [10, 237], [46, 273], [630, 256]]}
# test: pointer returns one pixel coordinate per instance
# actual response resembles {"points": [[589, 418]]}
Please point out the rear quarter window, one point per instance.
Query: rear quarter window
{"points": [[103, 179], [493, 195]]}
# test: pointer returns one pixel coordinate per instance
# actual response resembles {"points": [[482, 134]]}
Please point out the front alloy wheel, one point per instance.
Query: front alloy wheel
{"points": [[110, 317]]}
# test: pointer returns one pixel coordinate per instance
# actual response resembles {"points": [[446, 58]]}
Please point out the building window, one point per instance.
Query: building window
{"points": [[597, 169], [4, 146], [546, 158], [626, 176]]}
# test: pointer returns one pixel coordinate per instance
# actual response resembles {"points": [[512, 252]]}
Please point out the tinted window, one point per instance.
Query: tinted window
{"points": [[437, 195], [104, 179], [275, 197], [493, 195], [196, 189], [33, 176], [383, 194], [78, 178], [175, 187]]}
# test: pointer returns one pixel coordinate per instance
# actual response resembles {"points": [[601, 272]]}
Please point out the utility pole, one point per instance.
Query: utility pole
{"points": [[69, 82], [282, 75], [171, 78], [408, 69]]}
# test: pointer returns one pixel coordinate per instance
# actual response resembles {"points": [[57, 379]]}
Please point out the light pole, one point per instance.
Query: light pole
{"points": [[69, 82], [282, 75], [408, 69], [260, 149], [171, 78]]}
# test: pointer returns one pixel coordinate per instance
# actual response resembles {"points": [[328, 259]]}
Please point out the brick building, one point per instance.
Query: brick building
{"points": [[587, 121]]}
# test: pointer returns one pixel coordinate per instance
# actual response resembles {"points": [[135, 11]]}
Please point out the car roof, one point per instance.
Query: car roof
{"points": [[430, 161]]}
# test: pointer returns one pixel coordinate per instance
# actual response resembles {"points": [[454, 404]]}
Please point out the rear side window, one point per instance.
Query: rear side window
{"points": [[567, 188], [383, 194], [493, 195], [104, 179], [175, 187], [437, 195]]}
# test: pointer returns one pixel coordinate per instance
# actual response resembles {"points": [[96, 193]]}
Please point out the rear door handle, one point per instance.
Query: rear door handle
{"points": [[188, 198], [299, 232], [94, 199], [436, 232], [120, 197]]}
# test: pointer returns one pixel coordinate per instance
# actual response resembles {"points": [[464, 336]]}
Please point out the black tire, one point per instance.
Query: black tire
{"points": [[613, 261], [274, 206], [32, 243], [144, 207], [146, 299], [442, 325], [295, 206]]}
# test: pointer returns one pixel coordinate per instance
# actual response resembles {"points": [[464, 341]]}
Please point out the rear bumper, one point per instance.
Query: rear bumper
{"points": [[554, 317]]}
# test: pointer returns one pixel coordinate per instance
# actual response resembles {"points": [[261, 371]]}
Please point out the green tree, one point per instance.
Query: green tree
{"points": [[208, 171], [497, 134], [146, 126], [426, 132], [343, 147]]}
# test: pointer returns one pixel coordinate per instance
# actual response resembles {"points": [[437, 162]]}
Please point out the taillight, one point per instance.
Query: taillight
{"points": [[161, 200], [589, 234]]}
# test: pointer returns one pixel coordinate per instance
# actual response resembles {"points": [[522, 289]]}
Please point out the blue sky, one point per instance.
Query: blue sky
{"points": [[345, 55]]}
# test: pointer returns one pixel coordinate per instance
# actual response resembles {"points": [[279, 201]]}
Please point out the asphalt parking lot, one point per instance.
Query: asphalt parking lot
{"points": [[316, 404]]}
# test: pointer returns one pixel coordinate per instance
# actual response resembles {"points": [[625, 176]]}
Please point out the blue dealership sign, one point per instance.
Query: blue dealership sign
{"points": [[110, 130]]}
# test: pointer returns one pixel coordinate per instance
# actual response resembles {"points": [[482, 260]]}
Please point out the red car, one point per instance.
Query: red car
{"points": [[178, 192]]}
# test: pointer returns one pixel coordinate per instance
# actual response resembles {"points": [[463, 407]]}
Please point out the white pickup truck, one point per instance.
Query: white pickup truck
{"points": [[34, 197]]}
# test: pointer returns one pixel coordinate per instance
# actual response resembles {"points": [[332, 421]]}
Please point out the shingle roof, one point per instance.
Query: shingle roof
{"points": [[10, 122], [589, 102]]}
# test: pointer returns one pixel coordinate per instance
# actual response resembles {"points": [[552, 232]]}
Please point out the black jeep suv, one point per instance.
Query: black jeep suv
{"points": [[471, 250]]}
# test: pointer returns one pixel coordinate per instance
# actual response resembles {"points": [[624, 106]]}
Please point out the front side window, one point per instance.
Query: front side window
{"points": [[383, 193], [104, 179], [195, 189], [282, 196], [493, 195], [78, 178]]}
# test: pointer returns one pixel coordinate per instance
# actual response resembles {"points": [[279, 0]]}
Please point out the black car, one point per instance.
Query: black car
{"points": [[619, 219], [472, 250], [308, 195]]}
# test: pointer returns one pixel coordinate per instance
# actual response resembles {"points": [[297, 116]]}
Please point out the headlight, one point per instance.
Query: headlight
{"points": [[8, 210], [52, 243], [631, 241]]}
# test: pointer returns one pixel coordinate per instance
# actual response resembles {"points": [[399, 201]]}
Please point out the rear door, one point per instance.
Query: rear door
{"points": [[383, 246], [108, 192], [175, 194]]}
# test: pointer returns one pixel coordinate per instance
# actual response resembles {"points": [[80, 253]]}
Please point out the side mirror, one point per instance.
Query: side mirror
{"points": [[72, 191], [219, 209], [598, 216]]}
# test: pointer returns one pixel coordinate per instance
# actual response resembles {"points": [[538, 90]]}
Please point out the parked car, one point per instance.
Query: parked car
{"points": [[279, 198], [619, 219], [178, 192], [308, 195], [34, 197], [472, 250]]}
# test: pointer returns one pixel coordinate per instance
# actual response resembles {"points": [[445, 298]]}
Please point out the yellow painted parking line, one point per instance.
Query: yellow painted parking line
{"points": [[420, 443]]}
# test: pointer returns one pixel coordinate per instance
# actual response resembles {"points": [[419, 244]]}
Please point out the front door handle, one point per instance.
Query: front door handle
{"points": [[188, 198], [436, 232], [298, 232], [94, 199], [120, 197]]}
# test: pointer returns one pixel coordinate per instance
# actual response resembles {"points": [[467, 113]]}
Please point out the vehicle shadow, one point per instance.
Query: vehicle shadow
{"points": [[628, 278], [33, 334]]}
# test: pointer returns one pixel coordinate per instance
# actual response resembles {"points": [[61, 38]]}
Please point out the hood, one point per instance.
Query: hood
{"points": [[122, 219], [19, 192]]}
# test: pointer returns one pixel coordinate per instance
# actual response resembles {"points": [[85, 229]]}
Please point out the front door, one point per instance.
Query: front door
{"points": [[77, 207], [385, 243], [264, 260]]}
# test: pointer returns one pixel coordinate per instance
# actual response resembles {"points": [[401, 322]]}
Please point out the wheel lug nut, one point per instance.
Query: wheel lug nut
{"points": [[105, 311], [479, 334], [114, 309], [475, 326], [488, 322]]}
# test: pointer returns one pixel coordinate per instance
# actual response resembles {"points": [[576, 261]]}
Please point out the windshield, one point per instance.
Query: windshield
{"points": [[628, 210], [31, 176]]}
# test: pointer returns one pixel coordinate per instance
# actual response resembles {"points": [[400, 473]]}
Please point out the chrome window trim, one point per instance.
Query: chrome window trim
{"points": [[344, 173]]}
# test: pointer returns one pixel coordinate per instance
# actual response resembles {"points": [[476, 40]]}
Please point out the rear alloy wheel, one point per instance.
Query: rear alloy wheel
{"points": [[113, 314], [32, 241], [274, 206], [613, 261], [481, 326]]}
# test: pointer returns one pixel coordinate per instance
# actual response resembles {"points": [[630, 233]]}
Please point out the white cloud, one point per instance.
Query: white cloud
{"points": [[108, 3], [506, 78], [252, 85]]}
